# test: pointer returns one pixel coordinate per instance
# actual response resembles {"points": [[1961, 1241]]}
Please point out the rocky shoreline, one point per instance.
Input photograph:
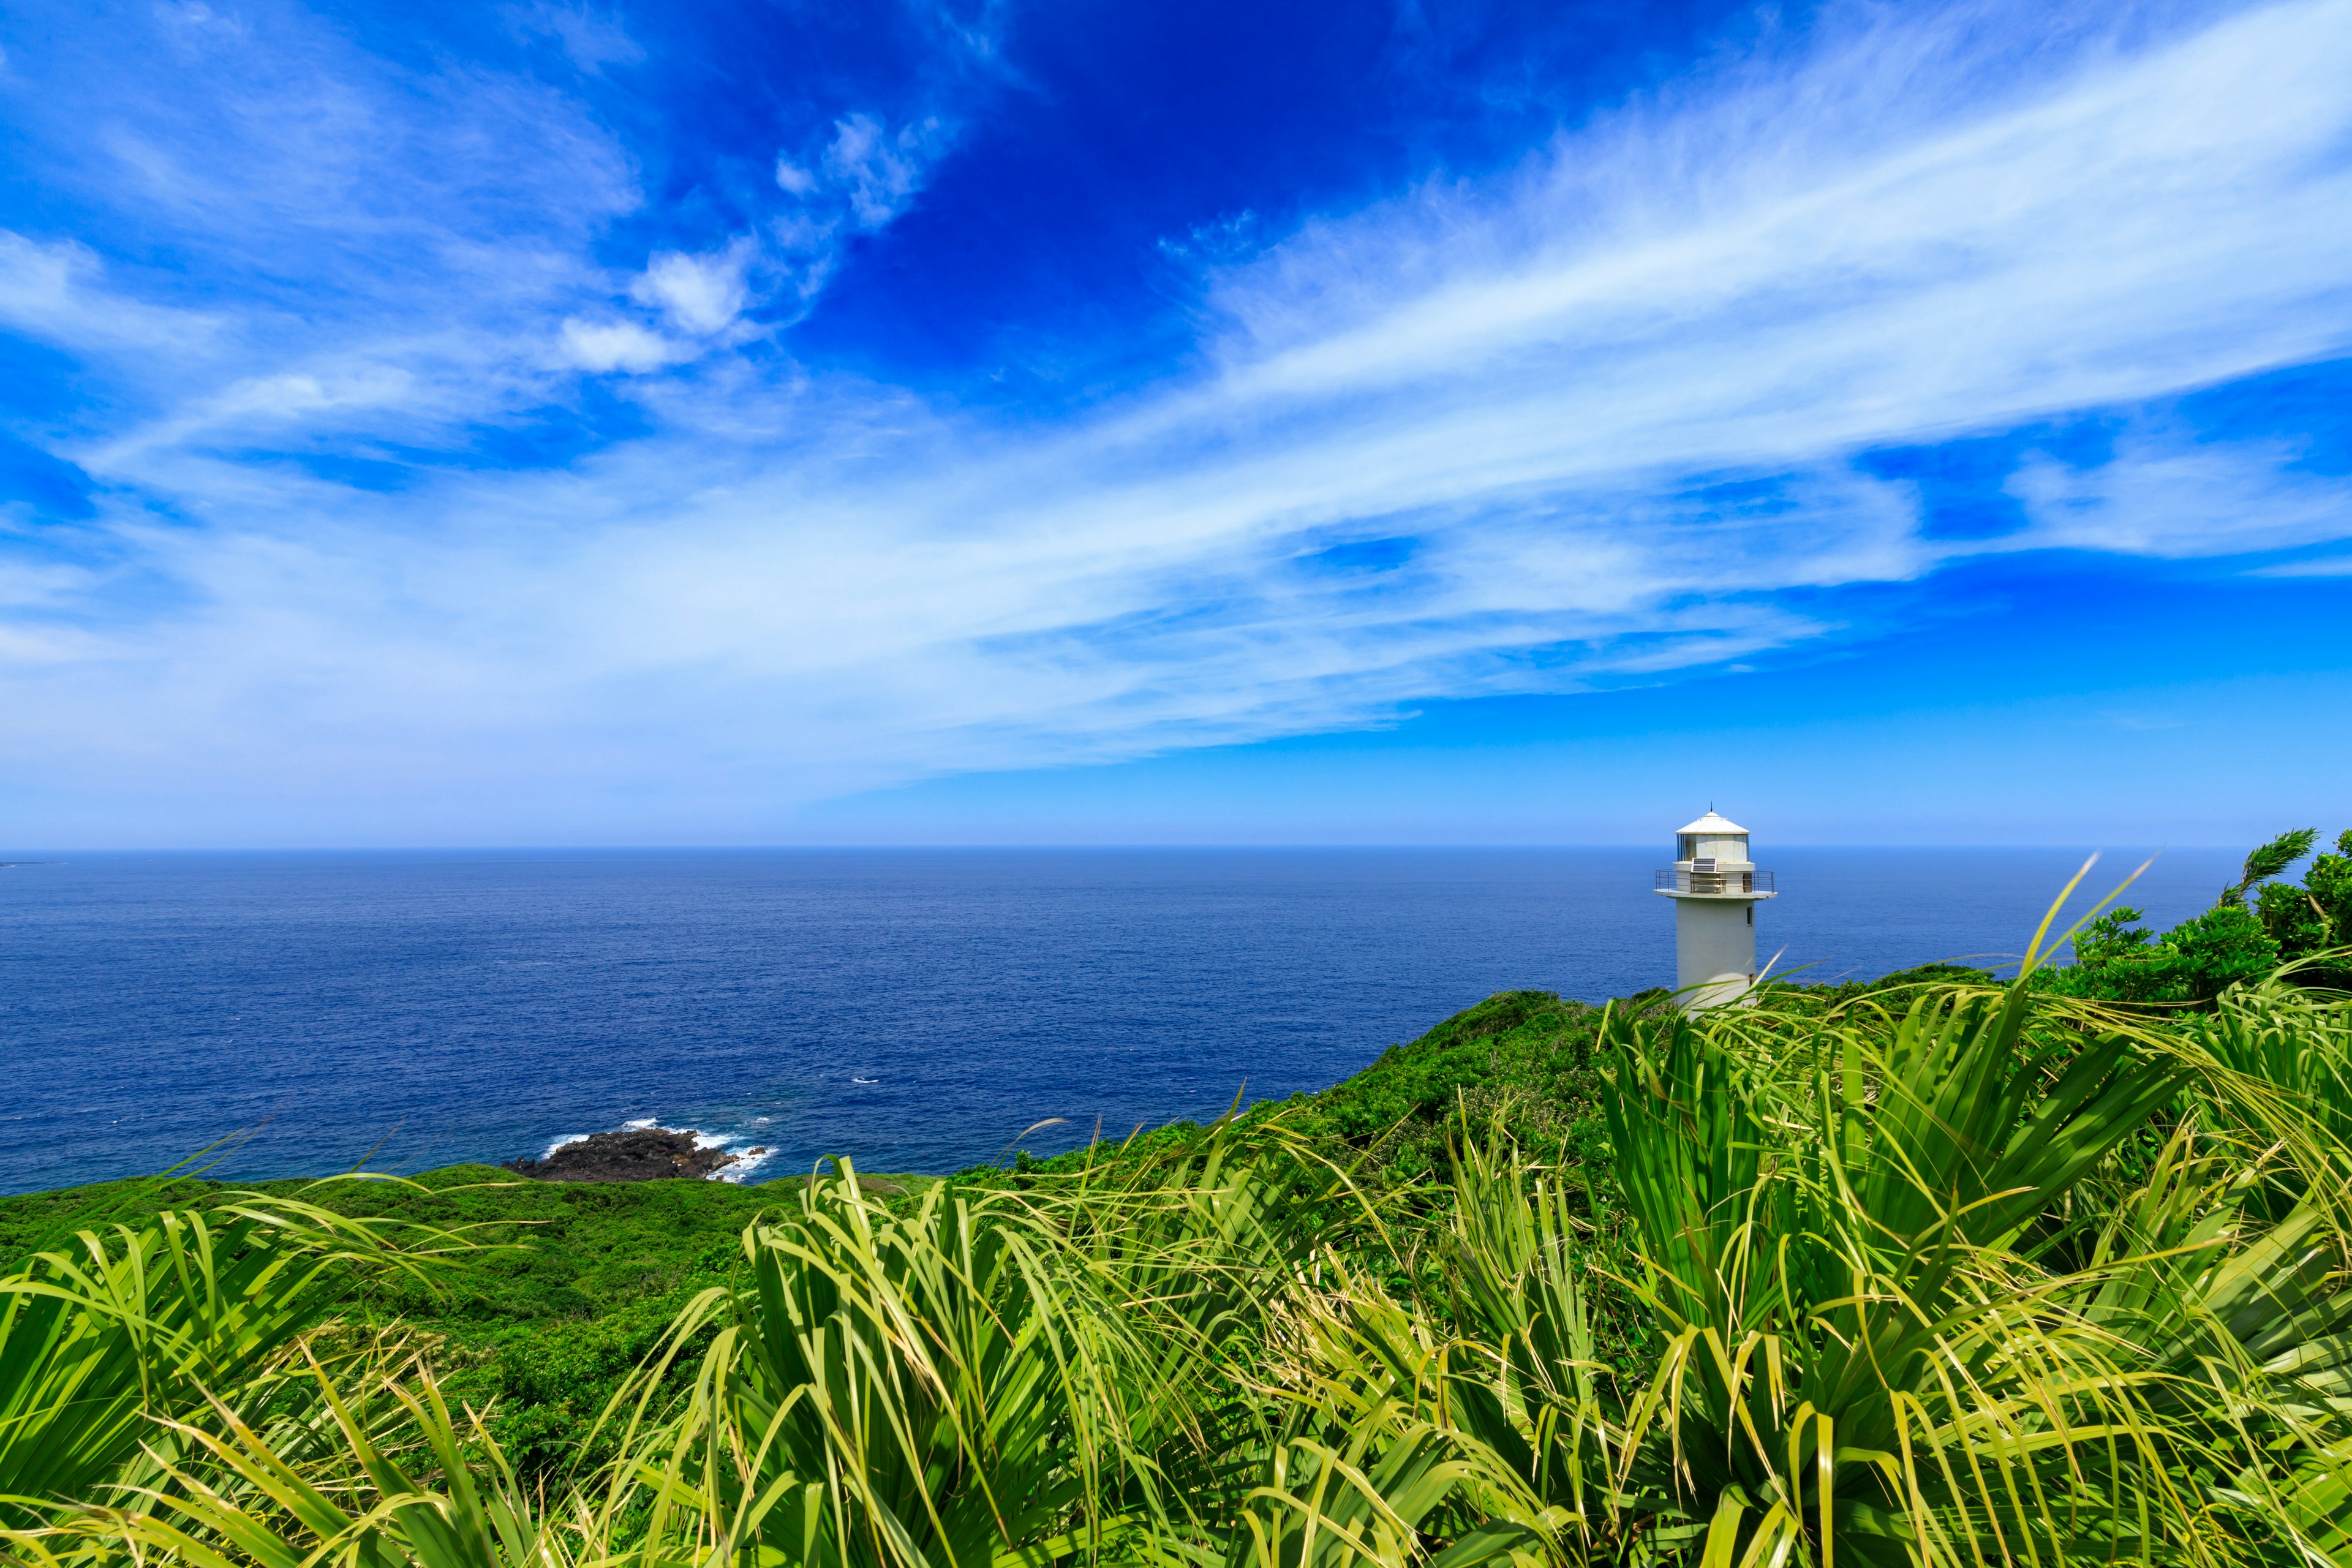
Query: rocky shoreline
{"points": [[638, 1154]]}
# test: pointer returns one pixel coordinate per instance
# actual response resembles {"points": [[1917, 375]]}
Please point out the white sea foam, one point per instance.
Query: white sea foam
{"points": [[737, 1145], [745, 1163]]}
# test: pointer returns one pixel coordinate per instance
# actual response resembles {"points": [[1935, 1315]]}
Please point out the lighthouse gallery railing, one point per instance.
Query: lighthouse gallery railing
{"points": [[1676, 879]]}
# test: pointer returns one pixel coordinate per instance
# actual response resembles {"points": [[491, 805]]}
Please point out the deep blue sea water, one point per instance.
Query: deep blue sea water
{"points": [[915, 1009]]}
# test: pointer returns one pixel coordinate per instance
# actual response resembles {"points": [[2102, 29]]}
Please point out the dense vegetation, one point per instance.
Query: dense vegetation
{"points": [[2305, 927], [564, 1291], [1934, 1271]]}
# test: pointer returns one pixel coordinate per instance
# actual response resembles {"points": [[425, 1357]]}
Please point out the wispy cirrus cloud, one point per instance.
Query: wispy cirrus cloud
{"points": [[590, 38], [1596, 419], [57, 293], [2325, 566]]}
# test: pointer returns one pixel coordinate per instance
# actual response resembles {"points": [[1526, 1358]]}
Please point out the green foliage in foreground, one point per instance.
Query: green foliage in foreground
{"points": [[1941, 1273], [565, 1289]]}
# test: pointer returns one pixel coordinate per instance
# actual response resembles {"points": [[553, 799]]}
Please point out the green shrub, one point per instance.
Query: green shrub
{"points": [[2117, 958]]}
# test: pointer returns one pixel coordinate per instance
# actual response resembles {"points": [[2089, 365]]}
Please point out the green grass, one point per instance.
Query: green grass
{"points": [[1524, 1055], [577, 1282], [582, 1280], [1932, 1272]]}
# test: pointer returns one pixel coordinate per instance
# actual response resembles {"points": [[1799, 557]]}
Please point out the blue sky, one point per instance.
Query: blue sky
{"points": [[1428, 422]]}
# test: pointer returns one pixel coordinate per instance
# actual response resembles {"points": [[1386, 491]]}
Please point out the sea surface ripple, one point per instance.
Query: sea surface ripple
{"points": [[915, 1009]]}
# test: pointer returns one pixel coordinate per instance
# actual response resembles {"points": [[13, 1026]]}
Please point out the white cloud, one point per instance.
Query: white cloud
{"points": [[2183, 498], [301, 209], [863, 178], [601, 346], [870, 170], [1749, 275], [701, 294], [2325, 566], [262, 409], [701, 298], [877, 169], [861, 181], [1588, 422], [592, 39], [38, 586], [54, 292]]}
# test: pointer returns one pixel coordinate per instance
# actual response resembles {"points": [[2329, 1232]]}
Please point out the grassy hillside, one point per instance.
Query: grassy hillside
{"points": [[580, 1278], [1936, 1273], [577, 1283], [584, 1277], [1524, 1057]]}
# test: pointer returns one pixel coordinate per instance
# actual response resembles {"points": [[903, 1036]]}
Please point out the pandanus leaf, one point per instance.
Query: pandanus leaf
{"points": [[149, 1321]]}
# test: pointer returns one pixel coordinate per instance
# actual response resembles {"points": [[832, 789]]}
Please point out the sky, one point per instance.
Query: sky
{"points": [[1400, 421]]}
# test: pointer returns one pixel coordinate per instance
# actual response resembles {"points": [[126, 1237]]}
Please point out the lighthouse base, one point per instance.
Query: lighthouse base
{"points": [[1715, 952]]}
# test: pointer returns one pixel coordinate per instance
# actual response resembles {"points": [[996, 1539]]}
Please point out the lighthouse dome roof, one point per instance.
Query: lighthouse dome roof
{"points": [[1711, 823]]}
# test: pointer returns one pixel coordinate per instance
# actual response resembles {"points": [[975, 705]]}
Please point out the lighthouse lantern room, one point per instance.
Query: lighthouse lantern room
{"points": [[1715, 887]]}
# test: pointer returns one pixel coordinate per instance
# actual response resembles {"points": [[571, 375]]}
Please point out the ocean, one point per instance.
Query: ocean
{"points": [[918, 1010]]}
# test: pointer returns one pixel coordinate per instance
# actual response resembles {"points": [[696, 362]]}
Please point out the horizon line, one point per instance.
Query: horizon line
{"points": [[1907, 846]]}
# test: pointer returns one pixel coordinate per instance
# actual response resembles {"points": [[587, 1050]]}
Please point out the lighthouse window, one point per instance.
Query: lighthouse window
{"points": [[1751, 914]]}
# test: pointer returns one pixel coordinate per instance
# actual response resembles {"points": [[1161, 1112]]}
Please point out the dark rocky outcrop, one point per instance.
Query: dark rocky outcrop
{"points": [[639, 1154]]}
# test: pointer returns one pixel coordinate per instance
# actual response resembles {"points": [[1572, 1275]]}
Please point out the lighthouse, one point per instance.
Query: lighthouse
{"points": [[1715, 886]]}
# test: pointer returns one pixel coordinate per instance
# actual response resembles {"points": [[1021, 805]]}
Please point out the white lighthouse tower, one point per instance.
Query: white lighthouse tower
{"points": [[1715, 887]]}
